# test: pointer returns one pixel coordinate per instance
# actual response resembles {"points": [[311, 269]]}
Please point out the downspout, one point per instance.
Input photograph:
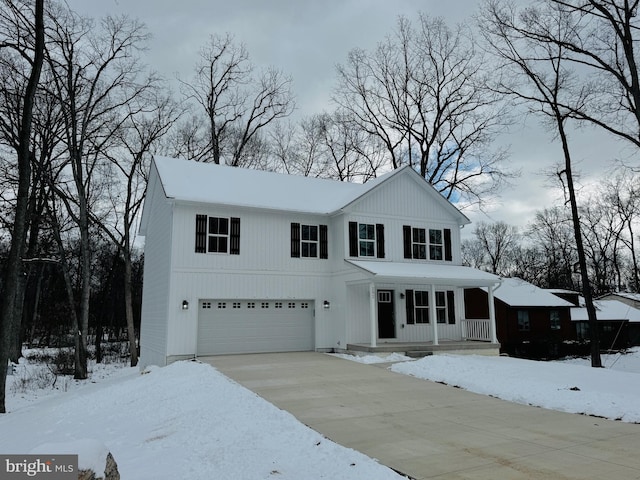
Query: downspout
{"points": [[373, 314]]}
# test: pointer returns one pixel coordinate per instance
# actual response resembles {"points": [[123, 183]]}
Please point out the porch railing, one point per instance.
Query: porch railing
{"points": [[479, 330]]}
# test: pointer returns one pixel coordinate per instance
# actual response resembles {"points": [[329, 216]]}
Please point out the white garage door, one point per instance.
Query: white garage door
{"points": [[255, 326]]}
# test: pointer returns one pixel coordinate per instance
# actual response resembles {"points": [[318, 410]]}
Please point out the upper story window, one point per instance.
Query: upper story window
{"points": [[366, 240], [423, 244], [217, 235], [309, 241]]}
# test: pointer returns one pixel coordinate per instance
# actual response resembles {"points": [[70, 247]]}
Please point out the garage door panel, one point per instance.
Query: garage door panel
{"points": [[254, 326]]}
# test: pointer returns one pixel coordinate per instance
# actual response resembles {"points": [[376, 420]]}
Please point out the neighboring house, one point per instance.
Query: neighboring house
{"points": [[240, 261], [618, 323], [531, 322]]}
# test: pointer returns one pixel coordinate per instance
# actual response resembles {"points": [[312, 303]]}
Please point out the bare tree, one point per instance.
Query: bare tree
{"points": [[94, 76], [27, 40], [237, 106], [138, 138], [498, 241], [537, 73], [422, 93]]}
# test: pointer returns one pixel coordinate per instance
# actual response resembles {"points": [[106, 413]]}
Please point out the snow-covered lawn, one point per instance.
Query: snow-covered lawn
{"points": [[569, 386], [186, 420]]}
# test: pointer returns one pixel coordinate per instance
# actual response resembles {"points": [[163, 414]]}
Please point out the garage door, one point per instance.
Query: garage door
{"points": [[255, 326]]}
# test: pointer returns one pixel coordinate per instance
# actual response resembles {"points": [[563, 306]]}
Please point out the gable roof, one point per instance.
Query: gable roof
{"points": [[516, 292], [607, 310], [220, 184]]}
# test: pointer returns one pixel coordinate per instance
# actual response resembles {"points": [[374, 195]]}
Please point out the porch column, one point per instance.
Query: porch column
{"points": [[373, 314], [492, 316], [433, 317]]}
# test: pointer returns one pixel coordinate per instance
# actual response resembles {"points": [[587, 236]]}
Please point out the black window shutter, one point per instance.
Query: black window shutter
{"points": [[408, 297], [451, 307], [353, 239], [295, 240], [201, 234], [380, 240], [324, 241], [406, 237], [234, 247], [447, 245]]}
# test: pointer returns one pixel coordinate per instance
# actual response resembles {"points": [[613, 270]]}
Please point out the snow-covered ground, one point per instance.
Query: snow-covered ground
{"points": [[183, 421], [188, 420], [569, 386]]}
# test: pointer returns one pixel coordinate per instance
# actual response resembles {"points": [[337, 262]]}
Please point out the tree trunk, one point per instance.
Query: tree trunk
{"points": [[128, 302], [586, 286], [13, 266]]}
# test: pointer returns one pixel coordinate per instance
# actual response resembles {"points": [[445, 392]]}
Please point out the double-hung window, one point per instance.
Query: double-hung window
{"points": [[217, 235], [554, 319], [366, 240], [418, 307], [427, 244], [436, 245], [309, 241]]}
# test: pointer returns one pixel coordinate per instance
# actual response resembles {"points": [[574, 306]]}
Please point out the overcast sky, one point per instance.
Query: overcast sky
{"points": [[306, 39]]}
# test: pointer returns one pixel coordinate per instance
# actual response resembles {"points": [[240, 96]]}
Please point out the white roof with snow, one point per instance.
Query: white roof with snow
{"points": [[436, 274], [223, 185], [516, 292], [607, 310]]}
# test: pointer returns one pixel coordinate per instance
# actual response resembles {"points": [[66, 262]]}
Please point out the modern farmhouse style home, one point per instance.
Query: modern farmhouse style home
{"points": [[246, 261]]}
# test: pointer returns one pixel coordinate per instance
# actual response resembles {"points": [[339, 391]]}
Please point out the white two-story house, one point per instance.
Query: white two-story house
{"points": [[240, 261]]}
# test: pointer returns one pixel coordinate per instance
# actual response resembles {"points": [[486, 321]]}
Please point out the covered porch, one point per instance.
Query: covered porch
{"points": [[437, 315]]}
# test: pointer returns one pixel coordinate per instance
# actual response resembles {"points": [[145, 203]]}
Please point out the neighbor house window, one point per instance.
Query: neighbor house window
{"points": [[217, 234], [554, 318], [422, 243], [309, 241], [366, 240], [523, 321]]}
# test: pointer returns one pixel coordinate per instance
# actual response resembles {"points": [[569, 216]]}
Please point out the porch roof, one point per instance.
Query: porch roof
{"points": [[425, 273]]}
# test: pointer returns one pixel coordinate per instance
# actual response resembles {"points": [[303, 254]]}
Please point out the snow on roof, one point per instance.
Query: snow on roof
{"points": [[608, 310], [628, 295], [437, 274], [515, 292], [221, 184]]}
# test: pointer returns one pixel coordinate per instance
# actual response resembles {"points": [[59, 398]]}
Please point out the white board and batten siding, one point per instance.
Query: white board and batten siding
{"points": [[157, 274], [263, 272]]}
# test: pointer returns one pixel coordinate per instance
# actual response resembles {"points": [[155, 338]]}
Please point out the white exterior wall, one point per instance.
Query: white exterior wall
{"points": [[263, 270], [157, 276]]}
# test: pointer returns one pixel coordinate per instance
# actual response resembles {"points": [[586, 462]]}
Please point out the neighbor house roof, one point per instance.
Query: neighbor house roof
{"points": [[223, 185], [516, 292], [628, 295], [608, 310], [436, 274]]}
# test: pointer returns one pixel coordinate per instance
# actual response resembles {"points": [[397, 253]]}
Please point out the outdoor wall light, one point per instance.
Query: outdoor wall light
{"points": [[401, 295], [326, 304], [185, 305]]}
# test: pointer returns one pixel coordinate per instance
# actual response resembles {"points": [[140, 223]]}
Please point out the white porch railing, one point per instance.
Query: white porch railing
{"points": [[479, 330]]}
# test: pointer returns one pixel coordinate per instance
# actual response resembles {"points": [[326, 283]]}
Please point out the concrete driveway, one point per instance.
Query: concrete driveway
{"points": [[428, 430]]}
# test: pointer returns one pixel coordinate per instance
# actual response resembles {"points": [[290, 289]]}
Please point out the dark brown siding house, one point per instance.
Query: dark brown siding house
{"points": [[531, 322], [618, 324], [633, 300]]}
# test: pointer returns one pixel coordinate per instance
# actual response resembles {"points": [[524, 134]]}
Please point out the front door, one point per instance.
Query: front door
{"points": [[386, 317]]}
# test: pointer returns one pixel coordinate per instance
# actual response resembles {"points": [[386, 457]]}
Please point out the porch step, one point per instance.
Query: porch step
{"points": [[418, 353]]}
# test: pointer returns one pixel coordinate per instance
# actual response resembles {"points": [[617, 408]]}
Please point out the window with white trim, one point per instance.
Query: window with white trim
{"points": [[419, 243], [436, 245], [309, 241], [366, 240], [421, 306]]}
